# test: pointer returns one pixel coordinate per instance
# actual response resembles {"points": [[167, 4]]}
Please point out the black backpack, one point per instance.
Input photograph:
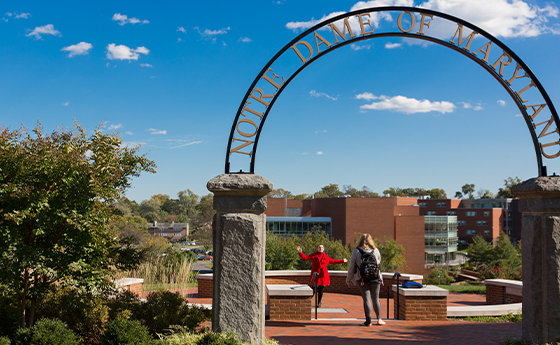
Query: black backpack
{"points": [[369, 269]]}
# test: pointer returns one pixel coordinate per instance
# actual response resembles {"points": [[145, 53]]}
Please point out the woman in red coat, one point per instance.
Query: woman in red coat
{"points": [[319, 261]]}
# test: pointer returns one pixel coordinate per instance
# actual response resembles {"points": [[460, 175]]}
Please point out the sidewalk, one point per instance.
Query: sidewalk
{"points": [[345, 328]]}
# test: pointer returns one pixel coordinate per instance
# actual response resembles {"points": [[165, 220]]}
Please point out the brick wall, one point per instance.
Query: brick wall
{"points": [[338, 285], [135, 288], [289, 307], [496, 294], [422, 308]]}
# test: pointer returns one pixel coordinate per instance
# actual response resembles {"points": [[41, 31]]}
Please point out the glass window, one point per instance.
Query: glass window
{"points": [[423, 204], [486, 213], [431, 213], [451, 213], [486, 232], [461, 222], [471, 232], [441, 204], [470, 214], [481, 222]]}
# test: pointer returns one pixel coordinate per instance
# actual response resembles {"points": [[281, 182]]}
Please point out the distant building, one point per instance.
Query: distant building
{"points": [[171, 231], [484, 217]]}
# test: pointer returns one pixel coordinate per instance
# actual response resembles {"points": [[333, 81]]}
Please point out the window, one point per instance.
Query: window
{"points": [[178, 229], [177, 234], [470, 214], [451, 213], [461, 222], [486, 213], [163, 234], [481, 222], [486, 232], [441, 204], [423, 204], [431, 213], [471, 232]]}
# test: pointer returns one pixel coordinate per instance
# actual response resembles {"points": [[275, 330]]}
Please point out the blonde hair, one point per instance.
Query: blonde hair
{"points": [[366, 241]]}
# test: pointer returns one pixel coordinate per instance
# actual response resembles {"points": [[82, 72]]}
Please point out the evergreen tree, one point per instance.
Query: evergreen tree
{"points": [[480, 251], [504, 254]]}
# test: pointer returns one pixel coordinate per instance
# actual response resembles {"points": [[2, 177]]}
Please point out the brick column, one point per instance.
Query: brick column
{"points": [[540, 238], [238, 302], [426, 304]]}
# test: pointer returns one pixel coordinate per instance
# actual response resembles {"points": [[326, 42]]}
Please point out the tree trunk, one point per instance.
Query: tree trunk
{"points": [[32, 311], [23, 298]]}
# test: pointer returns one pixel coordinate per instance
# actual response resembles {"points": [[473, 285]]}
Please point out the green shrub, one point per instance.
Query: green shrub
{"points": [[125, 332], [47, 332], [84, 313], [219, 339], [164, 308], [438, 276], [5, 341], [122, 304]]}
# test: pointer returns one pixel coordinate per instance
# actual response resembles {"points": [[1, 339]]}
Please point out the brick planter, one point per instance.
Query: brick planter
{"points": [[503, 291], [427, 304], [289, 302], [131, 284]]}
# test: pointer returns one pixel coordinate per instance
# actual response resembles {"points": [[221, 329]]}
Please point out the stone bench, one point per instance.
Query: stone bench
{"points": [[426, 304], [503, 291], [289, 302], [485, 310]]}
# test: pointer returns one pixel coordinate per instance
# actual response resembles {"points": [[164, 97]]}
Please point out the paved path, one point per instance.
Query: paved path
{"points": [[336, 328]]}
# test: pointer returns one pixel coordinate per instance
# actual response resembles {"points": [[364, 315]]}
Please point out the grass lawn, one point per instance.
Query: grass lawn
{"points": [[468, 288]]}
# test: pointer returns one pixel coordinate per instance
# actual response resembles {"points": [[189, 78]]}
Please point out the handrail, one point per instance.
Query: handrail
{"points": [[314, 279], [398, 275]]}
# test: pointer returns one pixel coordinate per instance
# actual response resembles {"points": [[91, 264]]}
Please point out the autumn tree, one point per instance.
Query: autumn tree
{"points": [[508, 184], [280, 193], [58, 194]]}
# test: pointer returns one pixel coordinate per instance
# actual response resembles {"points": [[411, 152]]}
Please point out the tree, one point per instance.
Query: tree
{"points": [[458, 195], [329, 191], [480, 251], [280, 193], [468, 189], [58, 194], [508, 184], [484, 194], [392, 258], [504, 253], [280, 253], [303, 196], [188, 200], [437, 193]]}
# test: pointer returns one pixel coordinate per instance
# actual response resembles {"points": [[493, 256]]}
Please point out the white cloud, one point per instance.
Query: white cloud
{"points": [[518, 115], [146, 65], [65, 104], [368, 96], [323, 131], [16, 15], [113, 127], [305, 153], [478, 107], [466, 105], [123, 19], [393, 45], [129, 133], [503, 18], [81, 48], [122, 52], [211, 34], [314, 93], [405, 105], [244, 39], [44, 30], [156, 131], [501, 102], [185, 144], [354, 46], [320, 153], [181, 29]]}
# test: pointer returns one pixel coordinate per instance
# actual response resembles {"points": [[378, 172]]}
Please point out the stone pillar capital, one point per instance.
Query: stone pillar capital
{"points": [[539, 194], [240, 192]]}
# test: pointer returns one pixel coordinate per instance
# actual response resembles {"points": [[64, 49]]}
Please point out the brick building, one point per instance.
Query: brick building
{"points": [[484, 217], [171, 231], [395, 218]]}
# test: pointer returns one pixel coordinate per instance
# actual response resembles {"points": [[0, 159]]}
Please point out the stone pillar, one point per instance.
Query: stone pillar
{"points": [[238, 302], [540, 240]]}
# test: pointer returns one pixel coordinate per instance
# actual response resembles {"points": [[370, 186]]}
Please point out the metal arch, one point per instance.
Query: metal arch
{"points": [[515, 57]]}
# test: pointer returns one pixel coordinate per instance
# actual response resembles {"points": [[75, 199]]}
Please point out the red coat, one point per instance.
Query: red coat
{"points": [[319, 263]]}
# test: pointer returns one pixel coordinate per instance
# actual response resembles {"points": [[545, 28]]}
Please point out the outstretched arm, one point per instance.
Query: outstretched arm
{"points": [[301, 255], [337, 262]]}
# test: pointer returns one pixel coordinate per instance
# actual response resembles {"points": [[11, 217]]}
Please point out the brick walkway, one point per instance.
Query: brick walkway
{"points": [[345, 328]]}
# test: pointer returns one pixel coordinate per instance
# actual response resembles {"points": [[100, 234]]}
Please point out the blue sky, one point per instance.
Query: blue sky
{"points": [[381, 113]]}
